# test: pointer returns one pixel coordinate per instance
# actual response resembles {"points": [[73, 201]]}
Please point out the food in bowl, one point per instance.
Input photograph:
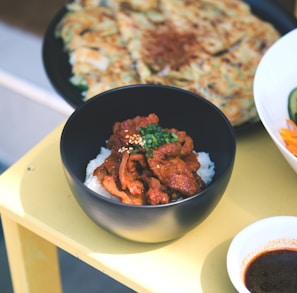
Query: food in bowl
{"points": [[147, 164], [211, 48], [88, 128], [289, 134], [275, 78]]}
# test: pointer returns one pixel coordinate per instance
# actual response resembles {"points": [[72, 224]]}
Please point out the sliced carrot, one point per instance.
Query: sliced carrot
{"points": [[292, 149], [292, 123], [288, 132], [289, 136]]}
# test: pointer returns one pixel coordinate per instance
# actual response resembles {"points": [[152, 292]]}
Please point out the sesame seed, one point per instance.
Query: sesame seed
{"points": [[134, 139]]}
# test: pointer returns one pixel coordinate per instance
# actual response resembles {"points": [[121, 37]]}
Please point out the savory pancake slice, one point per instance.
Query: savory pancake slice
{"points": [[209, 20], [160, 53], [78, 27], [76, 5], [97, 54], [211, 48], [227, 86], [226, 79], [232, 41], [208, 47], [138, 5]]}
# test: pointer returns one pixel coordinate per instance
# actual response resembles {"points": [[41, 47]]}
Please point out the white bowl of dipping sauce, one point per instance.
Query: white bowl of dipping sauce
{"points": [[264, 255]]}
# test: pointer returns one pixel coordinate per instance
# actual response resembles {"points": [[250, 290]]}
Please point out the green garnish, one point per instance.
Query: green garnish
{"points": [[154, 136], [79, 81], [150, 137], [292, 105]]}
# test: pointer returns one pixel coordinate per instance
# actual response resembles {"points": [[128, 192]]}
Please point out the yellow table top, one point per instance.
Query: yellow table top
{"points": [[35, 194]]}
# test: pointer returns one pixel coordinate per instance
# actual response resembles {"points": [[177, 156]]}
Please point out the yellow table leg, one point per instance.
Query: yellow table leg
{"points": [[33, 261]]}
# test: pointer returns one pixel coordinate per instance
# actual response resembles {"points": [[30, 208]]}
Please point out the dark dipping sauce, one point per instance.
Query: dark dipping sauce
{"points": [[273, 271]]}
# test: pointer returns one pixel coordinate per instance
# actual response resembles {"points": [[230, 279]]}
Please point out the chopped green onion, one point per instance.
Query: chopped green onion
{"points": [[154, 136]]}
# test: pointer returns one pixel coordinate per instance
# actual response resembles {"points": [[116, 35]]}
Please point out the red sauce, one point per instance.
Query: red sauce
{"points": [[273, 271], [167, 47]]}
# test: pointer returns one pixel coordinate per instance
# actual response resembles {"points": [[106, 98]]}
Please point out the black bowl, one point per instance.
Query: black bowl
{"points": [[91, 124]]}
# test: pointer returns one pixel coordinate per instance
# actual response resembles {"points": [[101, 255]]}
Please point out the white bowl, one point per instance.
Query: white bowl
{"points": [[267, 234], [275, 77]]}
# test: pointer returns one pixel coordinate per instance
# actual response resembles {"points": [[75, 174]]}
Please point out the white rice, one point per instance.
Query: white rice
{"points": [[91, 181], [207, 167], [206, 171]]}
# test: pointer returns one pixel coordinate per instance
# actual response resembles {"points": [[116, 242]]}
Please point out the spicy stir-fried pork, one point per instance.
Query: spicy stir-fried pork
{"points": [[149, 164]]}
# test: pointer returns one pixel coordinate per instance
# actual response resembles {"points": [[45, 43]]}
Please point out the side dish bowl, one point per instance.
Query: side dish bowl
{"points": [[268, 234], [88, 128], [275, 78]]}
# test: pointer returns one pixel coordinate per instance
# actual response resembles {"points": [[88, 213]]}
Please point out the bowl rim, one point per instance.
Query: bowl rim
{"points": [[172, 88], [278, 141]]}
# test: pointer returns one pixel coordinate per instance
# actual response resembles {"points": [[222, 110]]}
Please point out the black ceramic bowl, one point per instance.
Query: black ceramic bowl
{"points": [[91, 124]]}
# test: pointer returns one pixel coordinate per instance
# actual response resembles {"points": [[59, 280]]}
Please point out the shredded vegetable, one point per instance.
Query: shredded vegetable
{"points": [[289, 135]]}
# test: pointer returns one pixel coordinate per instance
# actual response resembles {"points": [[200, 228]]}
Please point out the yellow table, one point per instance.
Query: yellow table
{"points": [[40, 213]]}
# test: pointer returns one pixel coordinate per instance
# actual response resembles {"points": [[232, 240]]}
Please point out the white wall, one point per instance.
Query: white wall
{"points": [[29, 107]]}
